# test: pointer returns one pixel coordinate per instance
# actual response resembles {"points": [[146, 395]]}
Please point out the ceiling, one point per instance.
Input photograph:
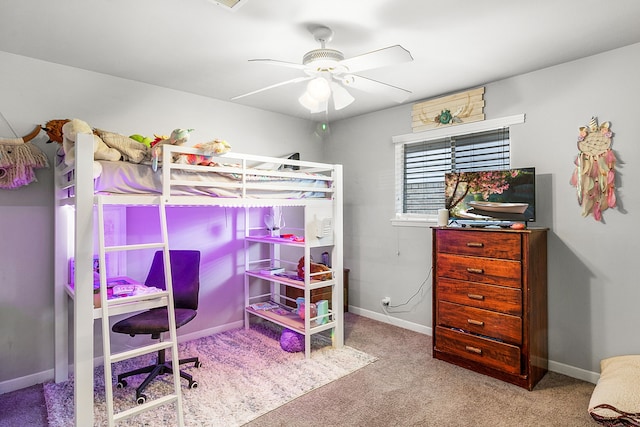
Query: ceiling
{"points": [[200, 47]]}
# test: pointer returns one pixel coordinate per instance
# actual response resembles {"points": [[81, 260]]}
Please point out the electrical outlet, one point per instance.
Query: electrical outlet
{"points": [[385, 301]]}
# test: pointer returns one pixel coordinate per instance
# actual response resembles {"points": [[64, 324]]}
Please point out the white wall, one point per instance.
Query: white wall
{"points": [[34, 92], [593, 287]]}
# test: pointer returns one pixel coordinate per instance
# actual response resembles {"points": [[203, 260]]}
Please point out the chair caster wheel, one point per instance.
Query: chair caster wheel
{"points": [[193, 384], [121, 384], [198, 364], [141, 399]]}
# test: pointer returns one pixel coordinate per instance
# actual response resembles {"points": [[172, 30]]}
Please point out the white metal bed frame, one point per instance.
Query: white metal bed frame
{"points": [[74, 195]]}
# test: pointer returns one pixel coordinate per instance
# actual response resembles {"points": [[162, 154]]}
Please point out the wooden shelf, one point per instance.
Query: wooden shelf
{"points": [[315, 284], [278, 240], [285, 242], [289, 319]]}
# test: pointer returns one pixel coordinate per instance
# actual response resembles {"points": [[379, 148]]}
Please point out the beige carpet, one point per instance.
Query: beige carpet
{"points": [[245, 375], [404, 387], [407, 387]]}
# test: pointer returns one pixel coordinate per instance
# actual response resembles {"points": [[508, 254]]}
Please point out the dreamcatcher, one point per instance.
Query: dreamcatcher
{"points": [[18, 159], [594, 174]]}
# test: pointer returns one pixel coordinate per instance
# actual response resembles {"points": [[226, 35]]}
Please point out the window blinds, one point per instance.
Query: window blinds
{"points": [[425, 164]]}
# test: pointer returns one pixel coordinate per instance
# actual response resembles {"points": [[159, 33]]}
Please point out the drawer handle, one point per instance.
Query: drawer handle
{"points": [[476, 297], [473, 349], [475, 270], [475, 245], [475, 322]]}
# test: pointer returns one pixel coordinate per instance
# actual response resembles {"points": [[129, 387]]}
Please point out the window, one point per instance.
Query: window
{"points": [[422, 160], [425, 164]]}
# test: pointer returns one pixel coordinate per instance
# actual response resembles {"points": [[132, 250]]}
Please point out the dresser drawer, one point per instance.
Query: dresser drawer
{"points": [[501, 356], [478, 321], [480, 243], [484, 270], [480, 295]]}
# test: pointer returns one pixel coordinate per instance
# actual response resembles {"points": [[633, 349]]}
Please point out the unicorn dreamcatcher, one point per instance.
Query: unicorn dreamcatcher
{"points": [[594, 174]]}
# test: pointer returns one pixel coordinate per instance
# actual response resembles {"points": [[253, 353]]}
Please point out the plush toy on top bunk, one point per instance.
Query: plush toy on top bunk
{"points": [[212, 148], [178, 137], [101, 151], [106, 145]]}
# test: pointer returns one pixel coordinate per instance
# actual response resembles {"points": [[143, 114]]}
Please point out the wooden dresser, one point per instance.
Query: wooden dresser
{"points": [[490, 301]]}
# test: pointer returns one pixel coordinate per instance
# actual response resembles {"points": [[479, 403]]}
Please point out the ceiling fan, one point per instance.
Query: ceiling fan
{"points": [[328, 74]]}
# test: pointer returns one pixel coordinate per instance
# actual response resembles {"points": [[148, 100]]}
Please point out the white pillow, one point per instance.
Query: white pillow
{"points": [[616, 398]]}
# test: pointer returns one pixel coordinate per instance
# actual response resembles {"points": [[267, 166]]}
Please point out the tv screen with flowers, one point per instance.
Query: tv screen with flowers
{"points": [[492, 196]]}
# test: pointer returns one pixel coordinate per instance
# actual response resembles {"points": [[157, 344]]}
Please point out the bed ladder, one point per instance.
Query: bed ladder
{"points": [[132, 304]]}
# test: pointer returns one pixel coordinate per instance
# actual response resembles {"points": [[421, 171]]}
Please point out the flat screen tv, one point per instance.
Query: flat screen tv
{"points": [[492, 196]]}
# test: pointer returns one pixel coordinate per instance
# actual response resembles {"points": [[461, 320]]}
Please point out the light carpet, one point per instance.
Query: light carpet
{"points": [[245, 374]]}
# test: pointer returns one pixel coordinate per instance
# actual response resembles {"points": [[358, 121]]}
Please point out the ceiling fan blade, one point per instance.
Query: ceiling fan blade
{"points": [[378, 58], [373, 86], [280, 63], [296, 80]]}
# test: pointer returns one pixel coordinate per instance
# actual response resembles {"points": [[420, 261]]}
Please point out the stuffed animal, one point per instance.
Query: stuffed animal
{"points": [[178, 137], [291, 341], [142, 139], [131, 150], [313, 311], [315, 268], [53, 128], [158, 138], [215, 147], [101, 151]]}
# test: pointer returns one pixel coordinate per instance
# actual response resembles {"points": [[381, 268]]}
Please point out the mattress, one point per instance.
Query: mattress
{"points": [[131, 178]]}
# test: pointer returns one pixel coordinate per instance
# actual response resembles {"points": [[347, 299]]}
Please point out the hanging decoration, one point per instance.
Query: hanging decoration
{"points": [[462, 107], [594, 173], [18, 159]]}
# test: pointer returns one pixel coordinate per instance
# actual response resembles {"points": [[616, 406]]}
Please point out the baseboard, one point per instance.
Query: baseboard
{"points": [[26, 381], [573, 372], [48, 375], [385, 318], [560, 368], [211, 331]]}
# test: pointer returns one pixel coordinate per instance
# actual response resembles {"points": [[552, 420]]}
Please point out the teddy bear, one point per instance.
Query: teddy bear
{"points": [[315, 268], [101, 151]]}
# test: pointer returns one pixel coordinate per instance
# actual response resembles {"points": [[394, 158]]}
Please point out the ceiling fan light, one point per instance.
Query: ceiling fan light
{"points": [[307, 101], [312, 104], [319, 89], [341, 97]]}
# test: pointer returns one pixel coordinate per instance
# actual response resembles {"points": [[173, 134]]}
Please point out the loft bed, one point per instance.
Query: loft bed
{"points": [[231, 180]]}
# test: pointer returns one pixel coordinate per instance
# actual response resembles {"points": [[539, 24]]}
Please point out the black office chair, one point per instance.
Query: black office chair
{"points": [[185, 274]]}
